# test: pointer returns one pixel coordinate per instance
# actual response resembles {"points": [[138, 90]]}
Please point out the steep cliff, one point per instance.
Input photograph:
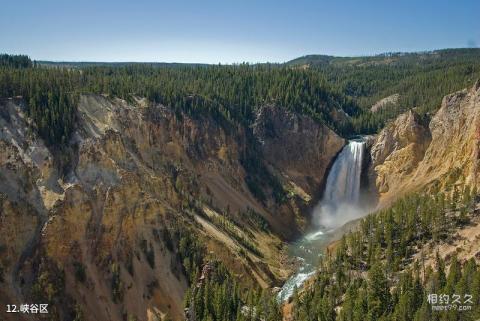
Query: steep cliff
{"points": [[298, 146], [412, 153], [147, 196]]}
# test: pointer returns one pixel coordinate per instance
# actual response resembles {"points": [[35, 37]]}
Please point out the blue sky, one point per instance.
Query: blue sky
{"points": [[232, 31]]}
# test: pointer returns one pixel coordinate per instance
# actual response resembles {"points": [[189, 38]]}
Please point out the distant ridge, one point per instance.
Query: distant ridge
{"points": [[310, 60], [386, 58]]}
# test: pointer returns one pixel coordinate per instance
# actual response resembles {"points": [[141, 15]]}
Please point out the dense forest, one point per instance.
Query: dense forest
{"points": [[231, 93], [336, 91], [420, 80], [379, 273], [15, 61], [219, 296]]}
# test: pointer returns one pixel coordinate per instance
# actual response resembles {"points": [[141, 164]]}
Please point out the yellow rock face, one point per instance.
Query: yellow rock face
{"points": [[409, 154], [105, 236]]}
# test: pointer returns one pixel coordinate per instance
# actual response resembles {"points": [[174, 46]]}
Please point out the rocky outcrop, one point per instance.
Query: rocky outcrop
{"points": [[302, 148], [386, 102], [410, 154], [105, 234], [398, 149]]}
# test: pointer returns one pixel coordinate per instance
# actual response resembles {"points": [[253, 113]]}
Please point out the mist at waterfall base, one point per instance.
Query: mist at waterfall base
{"points": [[341, 203]]}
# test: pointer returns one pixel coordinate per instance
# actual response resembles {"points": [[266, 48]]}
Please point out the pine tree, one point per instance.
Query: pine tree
{"points": [[378, 292]]}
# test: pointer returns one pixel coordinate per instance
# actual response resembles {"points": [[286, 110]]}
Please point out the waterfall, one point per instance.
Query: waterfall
{"points": [[340, 202]]}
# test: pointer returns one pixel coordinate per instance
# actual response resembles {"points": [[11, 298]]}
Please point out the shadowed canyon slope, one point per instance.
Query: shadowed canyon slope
{"points": [[296, 145], [115, 221]]}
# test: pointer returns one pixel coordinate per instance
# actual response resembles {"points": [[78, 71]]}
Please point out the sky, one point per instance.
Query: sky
{"points": [[226, 31]]}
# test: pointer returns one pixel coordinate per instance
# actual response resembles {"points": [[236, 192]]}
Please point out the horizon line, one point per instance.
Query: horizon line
{"points": [[379, 54]]}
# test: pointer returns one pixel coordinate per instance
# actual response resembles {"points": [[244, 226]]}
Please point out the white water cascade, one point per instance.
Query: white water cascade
{"points": [[340, 204]]}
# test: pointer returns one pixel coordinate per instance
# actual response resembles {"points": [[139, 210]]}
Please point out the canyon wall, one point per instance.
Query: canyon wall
{"points": [[111, 226], [414, 153]]}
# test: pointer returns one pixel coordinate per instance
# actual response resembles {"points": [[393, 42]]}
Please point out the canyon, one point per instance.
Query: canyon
{"points": [[138, 180], [111, 222]]}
